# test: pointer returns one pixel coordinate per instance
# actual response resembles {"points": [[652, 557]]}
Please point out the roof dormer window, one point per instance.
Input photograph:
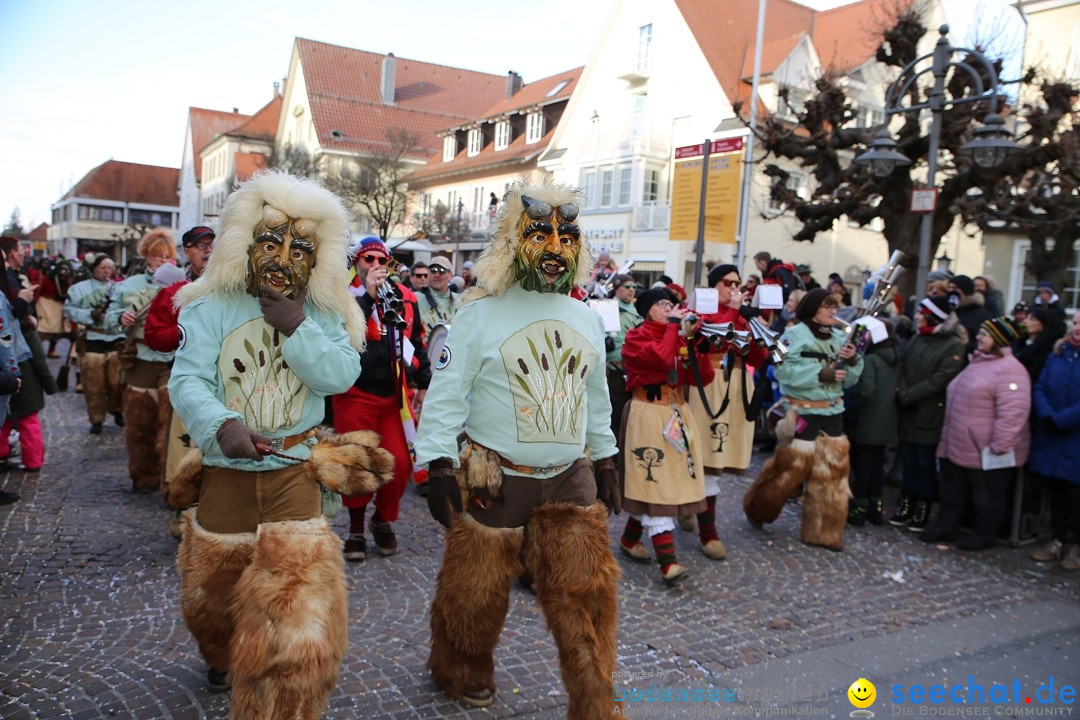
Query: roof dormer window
{"points": [[476, 141], [534, 127], [449, 148], [502, 134]]}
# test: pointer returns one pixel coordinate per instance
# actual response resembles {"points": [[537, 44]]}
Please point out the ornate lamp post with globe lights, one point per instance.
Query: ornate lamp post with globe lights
{"points": [[990, 147]]}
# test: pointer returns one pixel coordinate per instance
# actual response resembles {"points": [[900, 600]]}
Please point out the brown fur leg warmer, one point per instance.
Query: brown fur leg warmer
{"points": [[291, 628], [95, 391], [210, 565], [825, 504], [164, 423], [472, 596], [575, 577], [781, 474], [141, 433]]}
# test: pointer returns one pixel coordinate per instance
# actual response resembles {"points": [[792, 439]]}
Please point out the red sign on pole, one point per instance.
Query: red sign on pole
{"points": [[716, 147]]}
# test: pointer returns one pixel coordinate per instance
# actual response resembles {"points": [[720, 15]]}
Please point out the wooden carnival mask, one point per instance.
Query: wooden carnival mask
{"points": [[547, 254], [283, 254]]}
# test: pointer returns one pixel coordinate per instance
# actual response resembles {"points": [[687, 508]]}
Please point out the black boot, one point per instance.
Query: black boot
{"points": [[902, 516], [920, 516], [856, 514], [873, 512]]}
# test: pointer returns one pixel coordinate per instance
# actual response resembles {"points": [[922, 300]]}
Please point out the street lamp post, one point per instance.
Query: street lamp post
{"points": [[992, 142]]}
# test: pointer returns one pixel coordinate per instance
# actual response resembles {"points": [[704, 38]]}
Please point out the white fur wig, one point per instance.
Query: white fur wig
{"points": [[298, 198], [496, 269]]}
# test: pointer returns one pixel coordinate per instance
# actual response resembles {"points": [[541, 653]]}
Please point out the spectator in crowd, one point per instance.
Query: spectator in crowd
{"points": [[23, 297], [933, 357], [624, 291], [805, 273], [9, 374], [1046, 297], [467, 273], [661, 282], [841, 293], [663, 476], [775, 271], [969, 307], [986, 421], [821, 364], [438, 303], [994, 301], [1055, 448], [1043, 329], [752, 282], [376, 401], [876, 407], [99, 362], [787, 314], [419, 276], [1020, 312]]}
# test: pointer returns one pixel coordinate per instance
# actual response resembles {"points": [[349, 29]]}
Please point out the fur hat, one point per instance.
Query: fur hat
{"points": [[226, 274], [496, 268], [1002, 329]]}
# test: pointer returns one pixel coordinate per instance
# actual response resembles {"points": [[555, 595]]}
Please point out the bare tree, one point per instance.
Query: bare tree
{"points": [[375, 184], [295, 160], [824, 139], [443, 224]]}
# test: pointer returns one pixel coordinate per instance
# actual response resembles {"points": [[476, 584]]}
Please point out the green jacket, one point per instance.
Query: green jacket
{"points": [[877, 397], [798, 374], [930, 362], [628, 320]]}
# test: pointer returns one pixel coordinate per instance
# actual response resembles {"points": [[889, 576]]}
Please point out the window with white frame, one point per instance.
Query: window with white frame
{"points": [[475, 141], [624, 185], [651, 191], [644, 47], [534, 127], [868, 117], [640, 105], [588, 186], [502, 134], [449, 148], [797, 182], [607, 187]]}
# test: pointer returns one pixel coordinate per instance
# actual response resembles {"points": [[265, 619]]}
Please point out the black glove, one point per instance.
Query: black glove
{"points": [[609, 344], [238, 441], [281, 313], [442, 489], [607, 485], [749, 312]]}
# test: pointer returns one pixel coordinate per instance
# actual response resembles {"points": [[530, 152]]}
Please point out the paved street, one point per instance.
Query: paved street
{"points": [[92, 627]]}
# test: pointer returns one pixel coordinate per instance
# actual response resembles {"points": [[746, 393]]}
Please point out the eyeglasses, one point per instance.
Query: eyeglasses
{"points": [[438, 270], [730, 283], [419, 275], [204, 246], [629, 286], [665, 304], [982, 333], [382, 260]]}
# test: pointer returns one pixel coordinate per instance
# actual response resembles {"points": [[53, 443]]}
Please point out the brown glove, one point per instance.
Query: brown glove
{"points": [[238, 441], [281, 313], [827, 375], [443, 491], [607, 484]]}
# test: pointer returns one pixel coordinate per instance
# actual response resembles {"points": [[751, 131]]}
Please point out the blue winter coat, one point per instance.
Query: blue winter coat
{"points": [[1057, 394]]}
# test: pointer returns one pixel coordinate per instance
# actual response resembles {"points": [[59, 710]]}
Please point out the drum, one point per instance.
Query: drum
{"points": [[436, 339]]}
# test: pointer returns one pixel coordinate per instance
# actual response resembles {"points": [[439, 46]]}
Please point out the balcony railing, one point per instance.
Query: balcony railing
{"points": [[651, 216]]}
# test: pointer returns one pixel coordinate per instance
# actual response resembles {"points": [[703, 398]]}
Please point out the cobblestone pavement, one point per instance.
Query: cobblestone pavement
{"points": [[92, 625]]}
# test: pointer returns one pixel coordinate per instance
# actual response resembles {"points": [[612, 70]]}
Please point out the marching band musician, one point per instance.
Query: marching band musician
{"points": [[721, 408]]}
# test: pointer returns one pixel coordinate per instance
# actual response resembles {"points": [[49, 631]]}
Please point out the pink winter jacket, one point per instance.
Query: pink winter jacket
{"points": [[987, 404]]}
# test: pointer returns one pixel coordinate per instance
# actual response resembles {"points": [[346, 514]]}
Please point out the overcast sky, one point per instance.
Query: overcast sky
{"points": [[89, 81]]}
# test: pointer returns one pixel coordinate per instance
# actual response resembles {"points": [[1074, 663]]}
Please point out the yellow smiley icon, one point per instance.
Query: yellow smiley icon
{"points": [[862, 693]]}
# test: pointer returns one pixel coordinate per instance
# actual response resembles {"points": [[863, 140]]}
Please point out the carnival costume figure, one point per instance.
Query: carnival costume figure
{"points": [[812, 447], [722, 408], [661, 453], [266, 333], [522, 372]]}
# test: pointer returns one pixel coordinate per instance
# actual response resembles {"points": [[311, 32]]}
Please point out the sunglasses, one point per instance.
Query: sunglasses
{"points": [[382, 260], [439, 270], [730, 283], [629, 286], [419, 275]]}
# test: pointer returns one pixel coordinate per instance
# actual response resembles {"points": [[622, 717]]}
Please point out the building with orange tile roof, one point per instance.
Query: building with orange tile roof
{"points": [[101, 210], [203, 126]]}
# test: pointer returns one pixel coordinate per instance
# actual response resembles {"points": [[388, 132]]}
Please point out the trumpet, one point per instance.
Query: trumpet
{"points": [[890, 275], [393, 313], [759, 333]]}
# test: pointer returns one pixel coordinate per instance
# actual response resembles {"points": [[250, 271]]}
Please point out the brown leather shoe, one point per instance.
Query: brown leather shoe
{"points": [[385, 540]]}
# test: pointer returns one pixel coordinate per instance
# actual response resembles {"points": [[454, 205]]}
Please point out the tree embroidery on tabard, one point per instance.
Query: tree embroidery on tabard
{"points": [[548, 364], [719, 433], [648, 458], [258, 383]]}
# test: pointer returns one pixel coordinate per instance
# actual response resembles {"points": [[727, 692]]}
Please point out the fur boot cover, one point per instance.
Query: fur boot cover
{"points": [[351, 463], [472, 596], [291, 627], [825, 503], [145, 464], [779, 477], [210, 566], [575, 576], [481, 468]]}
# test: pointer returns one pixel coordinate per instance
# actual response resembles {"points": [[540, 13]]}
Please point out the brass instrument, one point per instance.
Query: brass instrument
{"points": [[393, 304], [604, 289], [759, 334], [890, 275]]}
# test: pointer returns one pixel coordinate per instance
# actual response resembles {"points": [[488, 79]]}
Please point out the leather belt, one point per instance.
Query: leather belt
{"points": [[799, 403], [667, 396], [522, 469], [284, 444]]}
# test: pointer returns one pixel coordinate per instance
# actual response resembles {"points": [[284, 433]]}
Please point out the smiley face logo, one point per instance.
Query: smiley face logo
{"points": [[862, 693]]}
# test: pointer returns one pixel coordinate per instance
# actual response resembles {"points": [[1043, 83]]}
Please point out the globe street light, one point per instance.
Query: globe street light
{"points": [[990, 146]]}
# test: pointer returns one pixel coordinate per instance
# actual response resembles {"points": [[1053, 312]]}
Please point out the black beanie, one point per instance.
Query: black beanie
{"points": [[719, 271], [809, 306], [650, 298]]}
